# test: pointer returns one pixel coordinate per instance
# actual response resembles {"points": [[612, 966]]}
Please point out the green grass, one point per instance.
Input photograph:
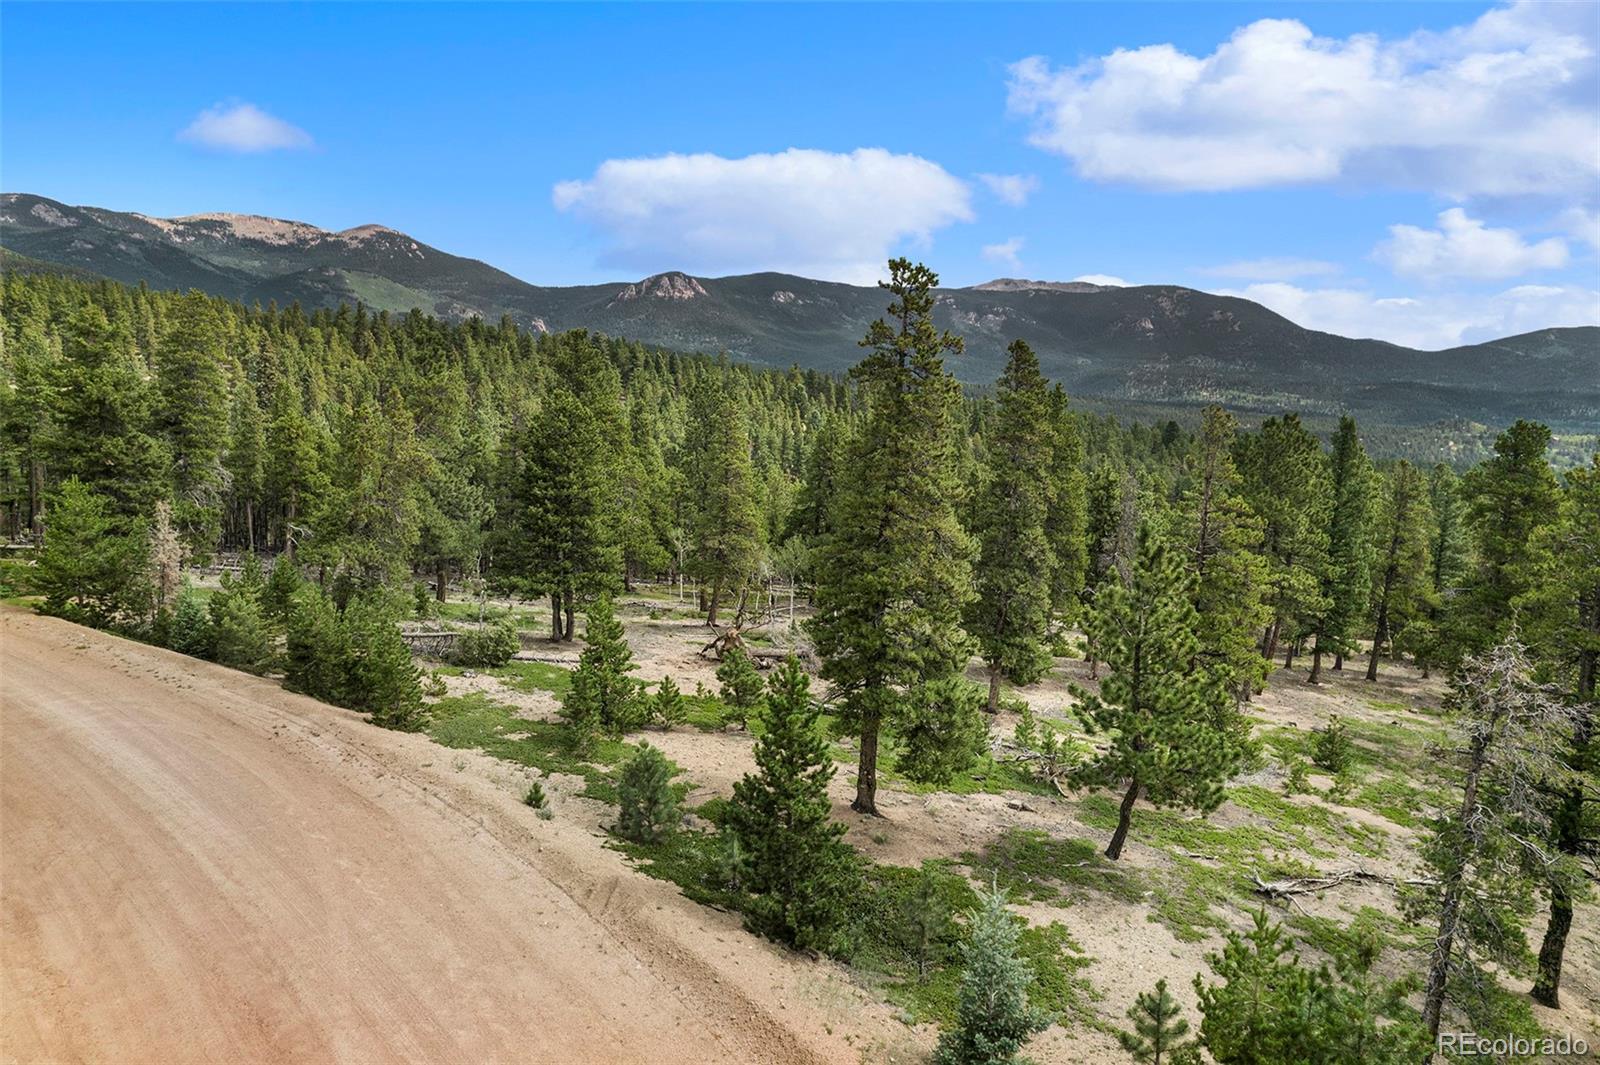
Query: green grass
{"points": [[474, 722], [529, 677], [1032, 864]]}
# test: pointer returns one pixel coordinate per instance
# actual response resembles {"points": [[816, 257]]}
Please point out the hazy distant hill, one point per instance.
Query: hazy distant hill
{"points": [[1150, 345]]}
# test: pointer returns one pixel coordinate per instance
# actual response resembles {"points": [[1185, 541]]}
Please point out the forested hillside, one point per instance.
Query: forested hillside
{"points": [[365, 469], [1156, 350]]}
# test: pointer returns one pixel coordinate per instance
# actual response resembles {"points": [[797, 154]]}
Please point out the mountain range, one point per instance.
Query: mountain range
{"points": [[1149, 345]]}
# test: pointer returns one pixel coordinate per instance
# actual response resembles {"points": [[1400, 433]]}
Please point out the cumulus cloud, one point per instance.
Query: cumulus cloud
{"points": [[1013, 189], [1102, 279], [1504, 106], [1582, 224], [1465, 247], [1270, 269], [1437, 320], [1006, 252], [243, 127], [821, 214]]}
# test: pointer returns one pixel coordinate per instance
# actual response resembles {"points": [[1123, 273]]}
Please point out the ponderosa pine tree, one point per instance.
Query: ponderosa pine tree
{"points": [[366, 525], [246, 460], [102, 432], [296, 473], [1435, 642], [1067, 514], [1400, 587], [1346, 583], [1010, 618], [192, 414], [725, 526], [602, 698], [894, 575], [1221, 536], [795, 865], [92, 567], [559, 538], [1173, 732], [1509, 498], [994, 1018], [1287, 485], [1561, 613], [645, 532], [1105, 550]]}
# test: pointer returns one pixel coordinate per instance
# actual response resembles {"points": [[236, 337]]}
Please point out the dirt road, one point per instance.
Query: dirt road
{"points": [[196, 865]]}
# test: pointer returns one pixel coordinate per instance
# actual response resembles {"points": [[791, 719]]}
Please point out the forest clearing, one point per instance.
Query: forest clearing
{"points": [[460, 885], [968, 726]]}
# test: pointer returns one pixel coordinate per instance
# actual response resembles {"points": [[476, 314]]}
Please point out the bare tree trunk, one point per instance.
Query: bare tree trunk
{"points": [[994, 690], [441, 579], [1569, 823], [36, 497], [555, 616], [1378, 638], [866, 801], [1450, 907], [716, 596], [1316, 662], [570, 608], [250, 523], [1124, 819]]}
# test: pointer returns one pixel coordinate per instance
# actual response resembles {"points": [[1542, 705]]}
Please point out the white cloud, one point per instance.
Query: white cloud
{"points": [[1270, 269], [820, 214], [1437, 320], [1582, 224], [1504, 106], [1006, 252], [243, 127], [1102, 279], [1013, 189], [1465, 247]]}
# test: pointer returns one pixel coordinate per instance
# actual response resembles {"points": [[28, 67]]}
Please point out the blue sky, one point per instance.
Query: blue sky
{"points": [[1265, 150]]}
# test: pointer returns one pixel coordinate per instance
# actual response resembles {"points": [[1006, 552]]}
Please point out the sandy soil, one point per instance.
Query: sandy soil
{"points": [[199, 866]]}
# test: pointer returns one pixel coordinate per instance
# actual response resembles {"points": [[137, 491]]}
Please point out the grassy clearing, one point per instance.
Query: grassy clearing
{"points": [[474, 722], [1393, 773]]}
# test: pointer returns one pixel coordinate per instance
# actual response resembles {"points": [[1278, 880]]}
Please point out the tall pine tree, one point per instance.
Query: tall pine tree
{"points": [[1174, 734], [1011, 616], [894, 575]]}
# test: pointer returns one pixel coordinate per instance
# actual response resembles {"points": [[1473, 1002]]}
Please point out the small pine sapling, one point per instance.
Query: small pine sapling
{"points": [[668, 707], [1158, 1030], [742, 686], [648, 804]]}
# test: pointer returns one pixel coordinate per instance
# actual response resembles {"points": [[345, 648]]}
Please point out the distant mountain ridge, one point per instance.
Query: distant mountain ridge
{"points": [[1150, 344]]}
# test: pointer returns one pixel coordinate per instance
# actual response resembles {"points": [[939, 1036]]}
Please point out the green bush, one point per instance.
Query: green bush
{"points": [[489, 646], [648, 805], [668, 707], [240, 637], [742, 686], [189, 630], [943, 731], [1331, 748]]}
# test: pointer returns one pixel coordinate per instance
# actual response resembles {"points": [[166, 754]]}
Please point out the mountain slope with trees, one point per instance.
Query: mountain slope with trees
{"points": [[1155, 345]]}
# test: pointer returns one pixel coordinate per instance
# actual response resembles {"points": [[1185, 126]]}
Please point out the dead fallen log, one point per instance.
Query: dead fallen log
{"points": [[1310, 885]]}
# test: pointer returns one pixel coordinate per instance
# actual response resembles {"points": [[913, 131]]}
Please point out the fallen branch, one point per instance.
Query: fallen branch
{"points": [[1309, 885]]}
